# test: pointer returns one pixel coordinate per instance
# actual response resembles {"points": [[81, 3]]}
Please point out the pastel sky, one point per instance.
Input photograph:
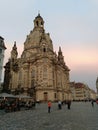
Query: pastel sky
{"points": [[72, 24]]}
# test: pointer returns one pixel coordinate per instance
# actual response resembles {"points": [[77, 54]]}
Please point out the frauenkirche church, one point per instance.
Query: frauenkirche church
{"points": [[39, 72]]}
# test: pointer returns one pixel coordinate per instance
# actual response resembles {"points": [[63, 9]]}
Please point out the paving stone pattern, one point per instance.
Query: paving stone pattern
{"points": [[81, 116]]}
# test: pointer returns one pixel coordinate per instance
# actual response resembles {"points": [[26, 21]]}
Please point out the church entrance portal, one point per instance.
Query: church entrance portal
{"points": [[45, 96]]}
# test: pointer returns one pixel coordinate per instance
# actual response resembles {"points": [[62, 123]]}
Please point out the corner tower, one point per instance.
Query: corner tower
{"points": [[2, 49], [14, 52]]}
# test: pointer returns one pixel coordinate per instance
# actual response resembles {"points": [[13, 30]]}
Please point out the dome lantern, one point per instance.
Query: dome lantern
{"points": [[38, 21]]}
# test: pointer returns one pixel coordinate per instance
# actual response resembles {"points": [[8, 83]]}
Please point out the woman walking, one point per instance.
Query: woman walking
{"points": [[49, 106]]}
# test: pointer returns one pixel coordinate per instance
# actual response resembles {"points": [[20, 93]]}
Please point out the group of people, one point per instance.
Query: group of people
{"points": [[14, 104], [68, 103], [10, 105], [29, 104]]}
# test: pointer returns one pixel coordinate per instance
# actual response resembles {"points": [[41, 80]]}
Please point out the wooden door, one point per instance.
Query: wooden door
{"points": [[45, 96]]}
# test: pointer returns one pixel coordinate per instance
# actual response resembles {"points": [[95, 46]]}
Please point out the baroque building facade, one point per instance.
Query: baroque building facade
{"points": [[81, 92], [2, 49], [39, 72]]}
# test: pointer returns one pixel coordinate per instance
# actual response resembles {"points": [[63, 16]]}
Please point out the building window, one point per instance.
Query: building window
{"points": [[55, 96], [45, 72], [41, 23], [44, 49], [33, 73], [0, 51], [37, 23], [20, 75]]}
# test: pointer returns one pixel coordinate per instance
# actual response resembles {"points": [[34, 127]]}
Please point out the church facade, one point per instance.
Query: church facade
{"points": [[39, 72]]}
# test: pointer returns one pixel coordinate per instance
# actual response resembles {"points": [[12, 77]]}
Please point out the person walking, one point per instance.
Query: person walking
{"points": [[68, 104], [92, 102], [49, 106], [59, 105]]}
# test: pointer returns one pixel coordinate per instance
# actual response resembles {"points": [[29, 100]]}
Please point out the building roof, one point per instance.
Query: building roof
{"points": [[79, 85], [38, 16]]}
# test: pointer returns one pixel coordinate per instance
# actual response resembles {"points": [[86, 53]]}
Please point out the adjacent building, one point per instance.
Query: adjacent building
{"points": [[97, 88], [93, 94], [97, 84], [39, 72], [81, 92], [2, 49]]}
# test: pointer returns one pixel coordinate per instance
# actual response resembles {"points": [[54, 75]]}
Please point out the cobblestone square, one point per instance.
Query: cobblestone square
{"points": [[81, 116]]}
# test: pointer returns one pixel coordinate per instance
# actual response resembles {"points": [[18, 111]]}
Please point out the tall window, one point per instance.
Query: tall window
{"points": [[37, 23], [33, 73], [55, 96], [0, 50], [44, 72], [44, 49], [41, 23], [20, 75]]}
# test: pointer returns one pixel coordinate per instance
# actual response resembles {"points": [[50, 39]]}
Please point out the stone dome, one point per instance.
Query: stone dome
{"points": [[38, 36]]}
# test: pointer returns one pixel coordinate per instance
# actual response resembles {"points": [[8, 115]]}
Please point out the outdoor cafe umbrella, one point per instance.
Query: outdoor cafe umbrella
{"points": [[4, 95], [23, 96]]}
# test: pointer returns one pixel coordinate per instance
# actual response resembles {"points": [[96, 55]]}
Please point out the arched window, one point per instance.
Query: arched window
{"points": [[33, 73], [44, 49], [41, 23], [20, 75], [44, 72], [37, 23]]}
